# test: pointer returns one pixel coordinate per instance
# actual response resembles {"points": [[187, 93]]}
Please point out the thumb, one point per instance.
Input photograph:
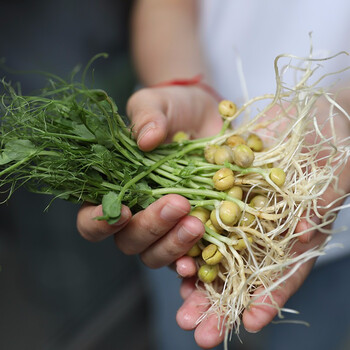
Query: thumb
{"points": [[146, 109]]}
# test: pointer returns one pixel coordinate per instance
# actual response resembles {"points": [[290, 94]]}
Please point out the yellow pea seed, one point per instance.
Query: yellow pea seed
{"points": [[241, 243], [258, 202], [235, 140], [235, 192], [255, 143], [211, 254], [223, 154], [246, 219], [229, 213], [223, 179], [181, 136], [208, 273], [227, 108], [201, 213], [214, 221], [243, 156], [194, 251], [217, 228], [209, 153], [278, 176]]}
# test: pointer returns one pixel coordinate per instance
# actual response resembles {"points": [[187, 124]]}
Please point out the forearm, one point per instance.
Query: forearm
{"points": [[165, 42]]}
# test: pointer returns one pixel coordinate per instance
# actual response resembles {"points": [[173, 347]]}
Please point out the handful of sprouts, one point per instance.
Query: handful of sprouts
{"points": [[250, 185]]}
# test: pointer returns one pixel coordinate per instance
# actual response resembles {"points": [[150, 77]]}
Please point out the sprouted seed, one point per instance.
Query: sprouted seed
{"points": [[70, 142]]}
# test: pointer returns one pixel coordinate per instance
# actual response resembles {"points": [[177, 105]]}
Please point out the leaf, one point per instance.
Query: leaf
{"points": [[187, 172], [145, 201], [143, 186], [111, 207], [99, 149], [16, 150], [83, 131], [99, 127]]}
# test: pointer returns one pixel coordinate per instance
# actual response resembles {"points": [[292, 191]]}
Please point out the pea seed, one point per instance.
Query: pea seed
{"points": [[241, 243], [229, 213], [243, 156], [255, 143], [211, 254], [235, 192], [278, 176], [223, 179], [217, 229], [227, 108], [181, 136], [235, 140], [246, 219], [209, 153], [214, 221], [258, 202], [223, 154], [194, 251], [208, 273], [201, 213]]}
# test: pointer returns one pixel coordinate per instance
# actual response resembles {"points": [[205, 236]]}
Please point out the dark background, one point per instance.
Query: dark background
{"points": [[58, 291]]}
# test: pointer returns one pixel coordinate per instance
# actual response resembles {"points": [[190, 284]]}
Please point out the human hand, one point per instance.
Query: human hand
{"points": [[163, 232]]}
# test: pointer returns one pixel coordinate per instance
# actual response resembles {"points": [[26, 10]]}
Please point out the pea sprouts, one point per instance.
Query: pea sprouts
{"points": [[250, 185]]}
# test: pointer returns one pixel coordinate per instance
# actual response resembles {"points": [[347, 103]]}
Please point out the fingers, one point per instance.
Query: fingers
{"points": [[157, 113], [186, 266], [147, 109], [162, 232], [207, 333], [174, 244], [307, 226], [188, 286], [190, 311], [94, 230]]}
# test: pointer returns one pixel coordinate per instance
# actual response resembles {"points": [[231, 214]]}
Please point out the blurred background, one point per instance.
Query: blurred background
{"points": [[58, 291]]}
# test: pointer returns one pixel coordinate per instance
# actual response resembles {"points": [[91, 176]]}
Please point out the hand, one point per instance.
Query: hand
{"points": [[256, 317], [163, 232]]}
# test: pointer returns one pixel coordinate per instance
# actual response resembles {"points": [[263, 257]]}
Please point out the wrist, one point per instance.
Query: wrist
{"points": [[196, 81]]}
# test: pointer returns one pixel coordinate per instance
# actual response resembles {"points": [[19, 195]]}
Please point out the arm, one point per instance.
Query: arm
{"points": [[165, 43]]}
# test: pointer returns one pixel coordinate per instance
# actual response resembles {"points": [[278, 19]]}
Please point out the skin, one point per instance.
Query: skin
{"points": [[156, 114]]}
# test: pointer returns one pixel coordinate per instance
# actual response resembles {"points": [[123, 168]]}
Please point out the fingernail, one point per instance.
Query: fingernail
{"points": [[185, 236], [252, 332], [145, 130], [310, 235], [171, 213]]}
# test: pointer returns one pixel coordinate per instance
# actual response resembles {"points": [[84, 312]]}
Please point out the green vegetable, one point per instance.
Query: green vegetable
{"points": [[69, 141]]}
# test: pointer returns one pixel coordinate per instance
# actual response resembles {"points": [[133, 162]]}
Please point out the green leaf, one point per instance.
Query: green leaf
{"points": [[111, 207], [145, 201], [98, 126], [16, 150], [187, 172], [83, 131], [143, 186]]}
